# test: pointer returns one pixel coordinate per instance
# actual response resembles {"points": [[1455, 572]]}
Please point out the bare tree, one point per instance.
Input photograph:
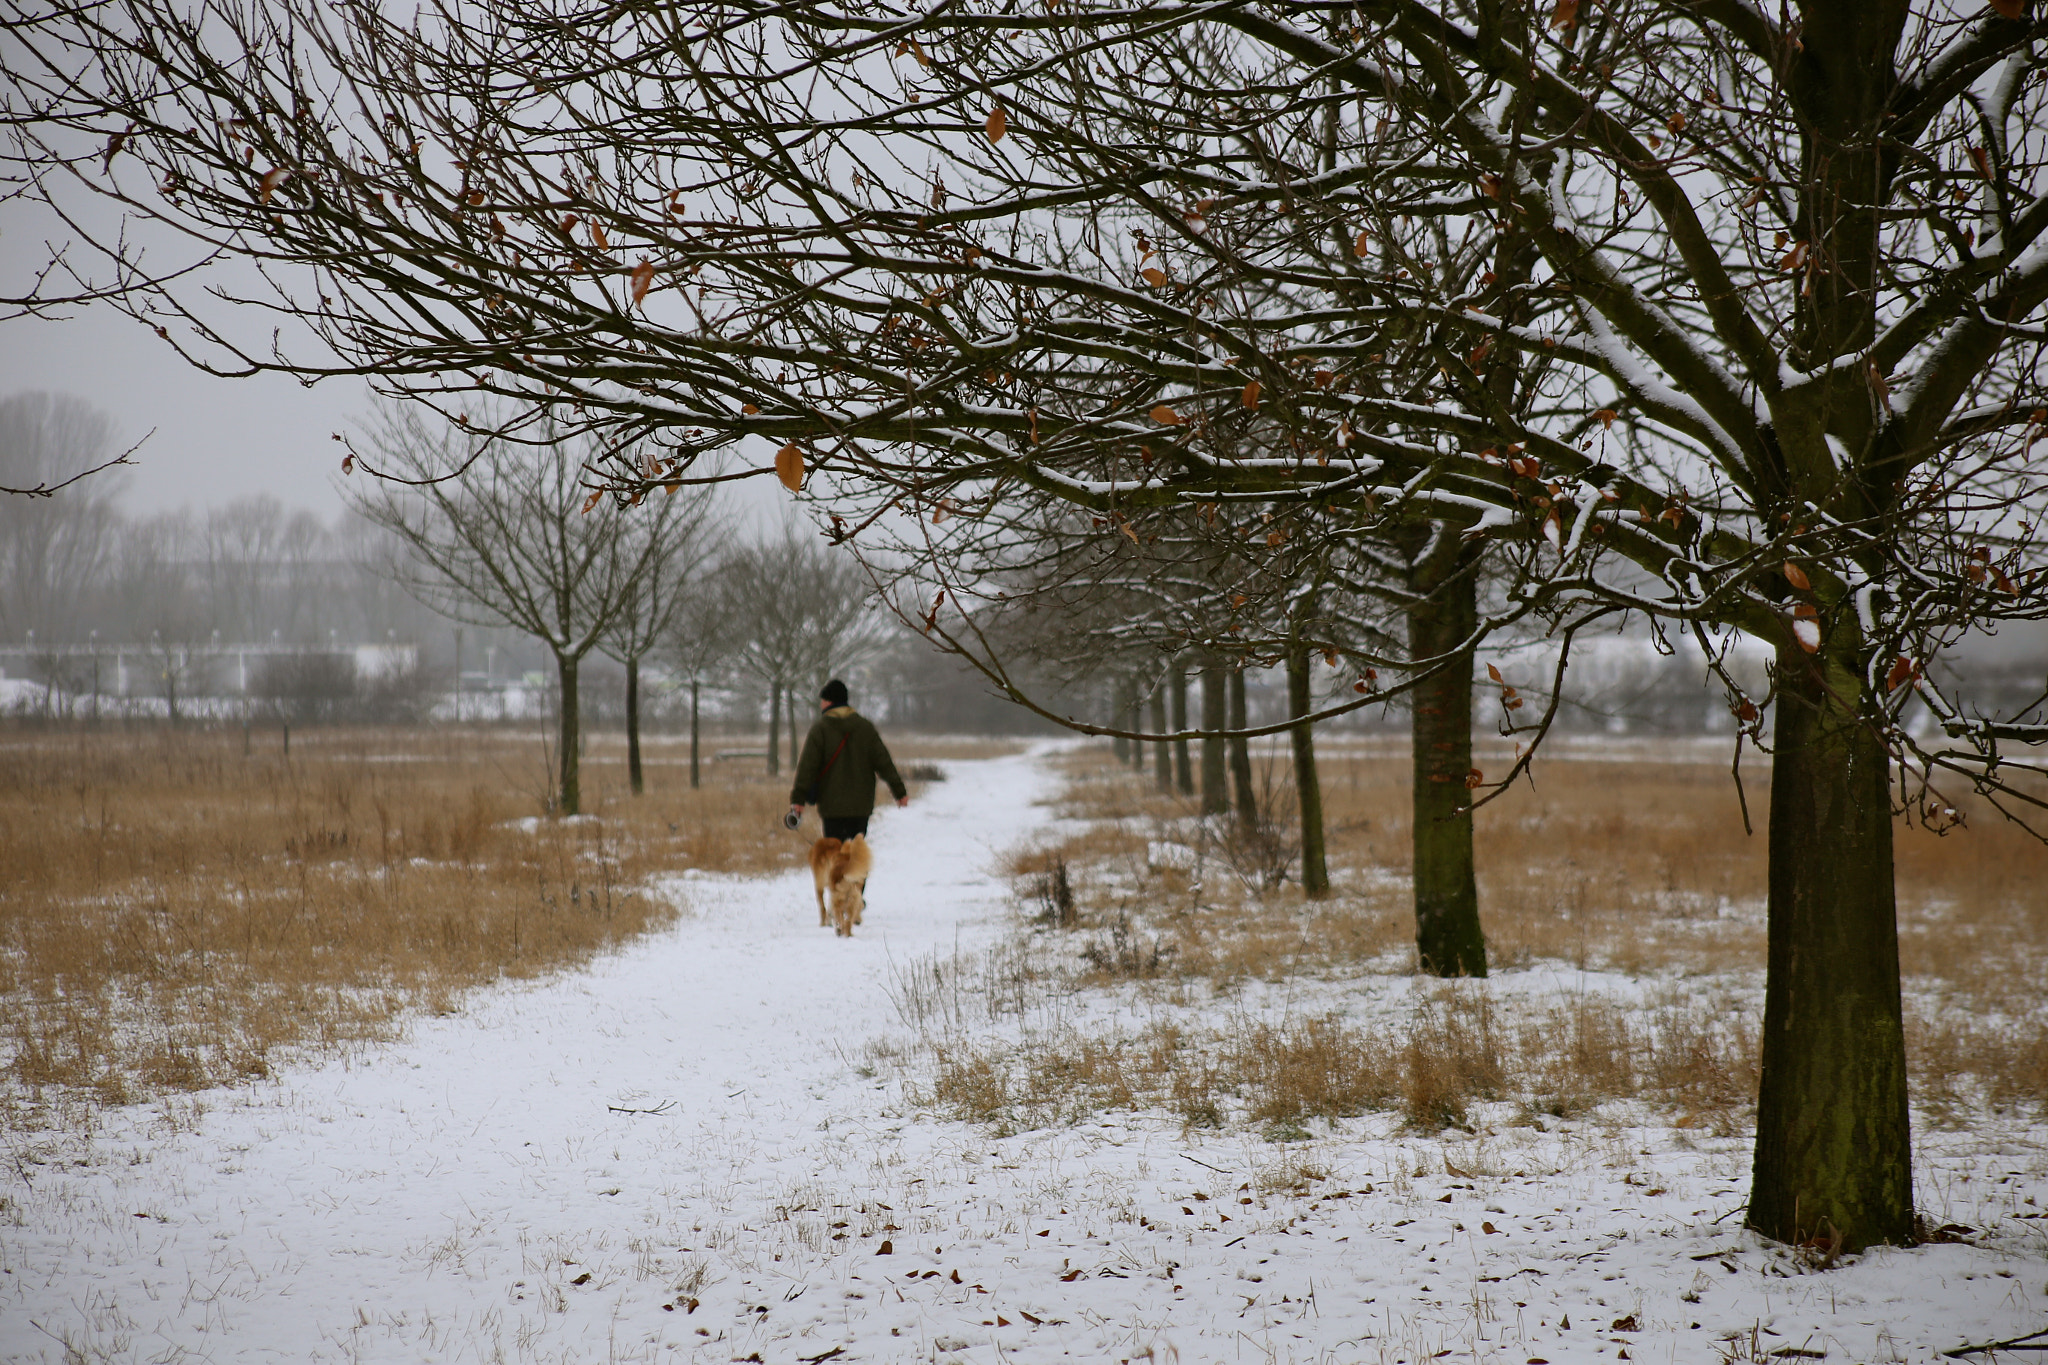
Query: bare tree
{"points": [[672, 579], [702, 638], [797, 613], [254, 560], [53, 550], [519, 541]]}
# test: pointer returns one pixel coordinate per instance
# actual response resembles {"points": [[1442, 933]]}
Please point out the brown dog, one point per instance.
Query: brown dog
{"points": [[841, 869]]}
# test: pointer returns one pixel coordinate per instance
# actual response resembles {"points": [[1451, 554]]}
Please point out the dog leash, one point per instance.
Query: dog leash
{"points": [[826, 771], [819, 785]]}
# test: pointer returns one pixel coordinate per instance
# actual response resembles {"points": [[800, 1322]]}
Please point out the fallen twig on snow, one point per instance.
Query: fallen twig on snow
{"points": [[2026, 1342]]}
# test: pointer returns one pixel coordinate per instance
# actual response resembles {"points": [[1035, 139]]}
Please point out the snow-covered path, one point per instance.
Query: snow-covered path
{"points": [[484, 1191], [474, 1192]]}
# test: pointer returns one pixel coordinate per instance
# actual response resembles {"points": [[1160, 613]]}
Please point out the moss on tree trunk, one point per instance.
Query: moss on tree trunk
{"points": [[696, 735], [633, 725], [1308, 786], [1833, 1159], [1162, 752], [570, 794], [1119, 709], [1183, 774], [1448, 939], [1243, 796], [1215, 791]]}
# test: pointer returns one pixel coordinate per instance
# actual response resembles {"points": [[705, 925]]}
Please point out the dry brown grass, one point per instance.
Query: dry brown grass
{"points": [[1624, 859], [1638, 865], [176, 908], [1452, 1048]]}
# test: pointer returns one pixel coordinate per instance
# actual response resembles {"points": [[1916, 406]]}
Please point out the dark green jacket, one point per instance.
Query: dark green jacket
{"points": [[849, 788]]}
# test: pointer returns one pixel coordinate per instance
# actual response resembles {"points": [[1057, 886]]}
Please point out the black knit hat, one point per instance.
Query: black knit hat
{"points": [[834, 692]]}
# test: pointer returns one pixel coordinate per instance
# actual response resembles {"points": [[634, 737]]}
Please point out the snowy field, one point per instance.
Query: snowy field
{"points": [[680, 1154]]}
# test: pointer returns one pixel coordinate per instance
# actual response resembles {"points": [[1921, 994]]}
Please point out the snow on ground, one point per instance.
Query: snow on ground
{"points": [[679, 1155]]}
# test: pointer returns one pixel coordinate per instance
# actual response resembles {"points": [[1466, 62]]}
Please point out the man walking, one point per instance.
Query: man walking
{"points": [[843, 755]]}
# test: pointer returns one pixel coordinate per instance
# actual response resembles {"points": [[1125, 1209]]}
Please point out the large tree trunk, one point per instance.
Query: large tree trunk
{"points": [[633, 724], [1215, 789], [774, 728], [1239, 750], [694, 736], [570, 737], [1308, 787], [1833, 1159], [1162, 752], [1183, 775], [1448, 940]]}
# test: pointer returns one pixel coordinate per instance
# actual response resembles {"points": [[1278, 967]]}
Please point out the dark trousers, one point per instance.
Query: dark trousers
{"points": [[844, 826]]}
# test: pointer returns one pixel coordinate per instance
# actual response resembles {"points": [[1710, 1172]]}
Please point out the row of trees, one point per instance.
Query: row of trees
{"points": [[1365, 331], [510, 547], [507, 534]]}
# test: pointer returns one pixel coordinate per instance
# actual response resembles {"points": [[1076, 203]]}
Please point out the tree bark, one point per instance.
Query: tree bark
{"points": [[1183, 774], [1162, 752], [1215, 791], [1136, 713], [1240, 752], [1119, 694], [796, 738], [1833, 1159], [1448, 939], [633, 724], [695, 776], [774, 729], [1308, 786], [570, 795]]}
